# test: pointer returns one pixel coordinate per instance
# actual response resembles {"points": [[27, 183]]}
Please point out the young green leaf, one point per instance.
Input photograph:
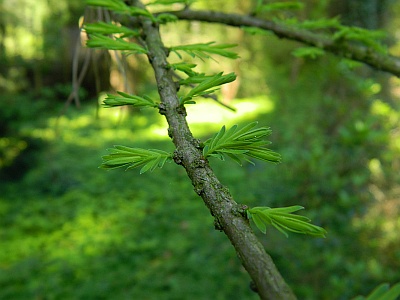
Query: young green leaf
{"points": [[169, 2], [382, 292], [263, 154], [261, 225], [240, 143], [391, 294], [208, 86], [165, 18], [367, 37], [184, 67], [195, 79], [277, 6], [108, 28], [136, 11], [312, 52], [119, 6], [122, 156], [105, 42], [127, 99], [283, 220], [114, 5], [379, 291], [256, 30], [201, 50], [320, 24]]}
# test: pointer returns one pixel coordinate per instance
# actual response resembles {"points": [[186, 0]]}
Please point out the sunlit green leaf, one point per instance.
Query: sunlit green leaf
{"points": [[322, 23], [208, 86], [170, 2], [278, 6], [105, 42], [392, 294], [165, 18], [259, 223], [119, 6], [312, 52], [108, 28], [237, 143], [184, 67], [122, 156], [369, 38], [283, 220], [256, 30], [203, 50], [115, 5], [382, 292], [195, 79], [127, 99], [378, 292]]}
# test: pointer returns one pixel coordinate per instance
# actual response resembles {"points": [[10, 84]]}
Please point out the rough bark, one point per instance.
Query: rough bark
{"points": [[229, 216], [345, 49]]}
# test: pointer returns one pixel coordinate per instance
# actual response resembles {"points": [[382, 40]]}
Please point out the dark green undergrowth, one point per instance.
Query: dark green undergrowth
{"points": [[72, 231]]}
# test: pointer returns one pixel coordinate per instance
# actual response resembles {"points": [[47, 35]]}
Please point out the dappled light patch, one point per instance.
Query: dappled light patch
{"points": [[379, 231], [117, 239], [206, 116], [10, 148]]}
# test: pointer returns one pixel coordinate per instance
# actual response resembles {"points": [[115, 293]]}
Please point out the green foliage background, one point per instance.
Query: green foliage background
{"points": [[69, 230]]}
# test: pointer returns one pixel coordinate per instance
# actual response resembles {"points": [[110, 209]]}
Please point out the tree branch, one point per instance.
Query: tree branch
{"points": [[267, 279], [379, 61]]}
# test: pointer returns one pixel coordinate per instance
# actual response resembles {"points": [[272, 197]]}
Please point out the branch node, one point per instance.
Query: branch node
{"points": [[178, 157], [197, 143], [218, 225], [240, 210], [253, 287], [167, 52], [177, 86], [170, 132], [162, 109], [199, 189], [181, 110], [198, 163]]}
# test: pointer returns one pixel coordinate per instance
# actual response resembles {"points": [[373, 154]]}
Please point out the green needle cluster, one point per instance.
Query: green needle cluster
{"points": [[283, 220], [102, 41], [200, 50], [122, 156], [119, 6], [128, 99], [109, 28], [240, 143], [208, 85]]}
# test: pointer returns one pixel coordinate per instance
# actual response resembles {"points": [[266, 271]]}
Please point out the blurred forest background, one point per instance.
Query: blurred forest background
{"points": [[69, 230]]}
